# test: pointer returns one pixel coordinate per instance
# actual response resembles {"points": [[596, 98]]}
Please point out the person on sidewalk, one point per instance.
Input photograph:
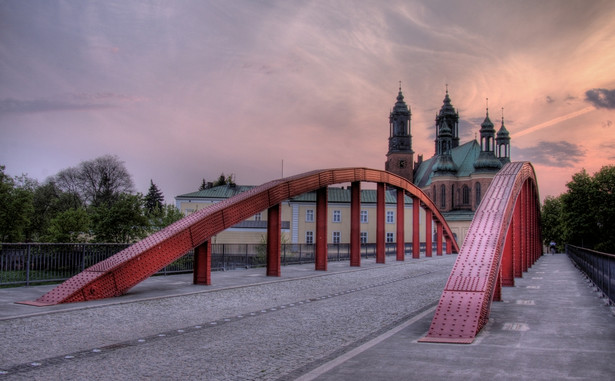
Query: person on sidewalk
{"points": [[552, 247]]}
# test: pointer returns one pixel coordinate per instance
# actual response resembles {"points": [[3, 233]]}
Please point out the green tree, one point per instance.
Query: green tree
{"points": [[604, 182], [121, 222], [154, 199], [164, 217], [204, 185], [580, 225], [551, 220], [225, 180], [71, 225], [16, 207]]}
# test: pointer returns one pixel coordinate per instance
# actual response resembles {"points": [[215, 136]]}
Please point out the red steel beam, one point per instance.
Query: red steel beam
{"points": [[416, 240], [439, 236], [119, 273], [320, 260], [274, 224], [400, 239], [466, 301], [202, 264], [355, 224], [428, 244], [380, 209]]}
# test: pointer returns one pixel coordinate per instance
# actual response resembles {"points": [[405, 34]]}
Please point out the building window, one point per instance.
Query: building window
{"points": [[309, 215], [363, 237], [364, 216], [390, 238], [466, 195], [337, 237], [337, 216], [257, 217], [478, 195], [309, 237], [453, 196], [390, 216], [442, 196]]}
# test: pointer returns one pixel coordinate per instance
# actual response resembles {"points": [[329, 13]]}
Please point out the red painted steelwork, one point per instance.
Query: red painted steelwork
{"points": [[274, 223], [416, 244], [202, 264], [438, 238], [117, 274], [401, 242], [380, 223], [428, 232], [355, 224], [466, 301], [320, 260]]}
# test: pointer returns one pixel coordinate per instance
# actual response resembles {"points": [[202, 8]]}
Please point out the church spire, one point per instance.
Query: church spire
{"points": [[502, 143], [400, 154], [447, 120], [486, 160]]}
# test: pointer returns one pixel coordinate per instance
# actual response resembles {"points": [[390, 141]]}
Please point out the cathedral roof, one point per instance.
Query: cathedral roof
{"points": [[463, 157], [503, 132], [487, 125], [400, 105]]}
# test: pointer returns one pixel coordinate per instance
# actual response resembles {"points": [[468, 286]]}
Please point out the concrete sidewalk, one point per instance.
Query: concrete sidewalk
{"points": [[552, 325]]}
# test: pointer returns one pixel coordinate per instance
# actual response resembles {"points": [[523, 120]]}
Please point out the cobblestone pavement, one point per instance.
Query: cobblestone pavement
{"points": [[262, 332]]}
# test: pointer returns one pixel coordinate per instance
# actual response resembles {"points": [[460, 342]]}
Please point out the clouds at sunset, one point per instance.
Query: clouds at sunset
{"points": [[186, 90]]}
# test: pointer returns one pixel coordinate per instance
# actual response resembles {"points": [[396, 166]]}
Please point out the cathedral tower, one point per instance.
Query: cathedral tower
{"points": [[400, 156]]}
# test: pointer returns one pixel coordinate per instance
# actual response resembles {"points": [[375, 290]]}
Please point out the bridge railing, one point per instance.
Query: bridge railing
{"points": [[599, 268], [22, 264]]}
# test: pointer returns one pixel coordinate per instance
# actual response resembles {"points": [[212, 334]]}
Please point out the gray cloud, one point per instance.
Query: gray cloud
{"points": [[11, 105], [609, 149], [549, 99], [560, 154], [607, 124], [69, 102], [601, 98]]}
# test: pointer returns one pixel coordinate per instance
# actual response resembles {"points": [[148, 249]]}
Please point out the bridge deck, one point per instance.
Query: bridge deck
{"points": [[552, 325]]}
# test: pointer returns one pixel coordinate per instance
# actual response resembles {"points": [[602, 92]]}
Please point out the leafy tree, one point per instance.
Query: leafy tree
{"points": [[164, 217], [154, 199], [121, 222], [97, 182], [71, 225], [585, 214], [204, 185], [225, 180], [15, 207], [551, 220]]}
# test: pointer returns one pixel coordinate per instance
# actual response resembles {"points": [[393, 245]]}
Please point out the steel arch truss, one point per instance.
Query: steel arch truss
{"points": [[117, 274], [502, 242]]}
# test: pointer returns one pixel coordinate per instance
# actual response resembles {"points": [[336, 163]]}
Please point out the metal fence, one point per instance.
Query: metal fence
{"points": [[599, 267], [28, 263]]}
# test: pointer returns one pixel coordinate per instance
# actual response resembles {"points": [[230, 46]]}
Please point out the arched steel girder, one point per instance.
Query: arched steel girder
{"points": [[117, 274], [502, 242]]}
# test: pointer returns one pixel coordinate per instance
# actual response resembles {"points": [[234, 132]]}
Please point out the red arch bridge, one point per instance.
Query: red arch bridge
{"points": [[503, 241]]}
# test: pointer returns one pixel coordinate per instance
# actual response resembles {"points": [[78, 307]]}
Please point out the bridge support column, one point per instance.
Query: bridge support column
{"points": [[320, 259], [400, 239], [507, 275], [428, 232], [525, 227], [355, 223], [516, 225], [439, 234], [274, 241], [380, 257], [202, 264], [449, 244], [416, 237]]}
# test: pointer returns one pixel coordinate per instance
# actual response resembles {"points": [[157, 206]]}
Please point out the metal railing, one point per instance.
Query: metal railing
{"points": [[599, 268], [28, 263]]}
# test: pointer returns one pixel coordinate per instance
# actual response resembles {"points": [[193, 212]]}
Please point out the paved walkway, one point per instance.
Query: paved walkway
{"points": [[552, 325]]}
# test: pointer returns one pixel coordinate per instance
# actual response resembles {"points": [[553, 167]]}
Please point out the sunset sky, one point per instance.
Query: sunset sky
{"points": [[184, 90]]}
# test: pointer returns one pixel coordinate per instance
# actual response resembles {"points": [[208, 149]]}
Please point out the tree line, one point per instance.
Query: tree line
{"points": [[92, 202], [584, 215]]}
